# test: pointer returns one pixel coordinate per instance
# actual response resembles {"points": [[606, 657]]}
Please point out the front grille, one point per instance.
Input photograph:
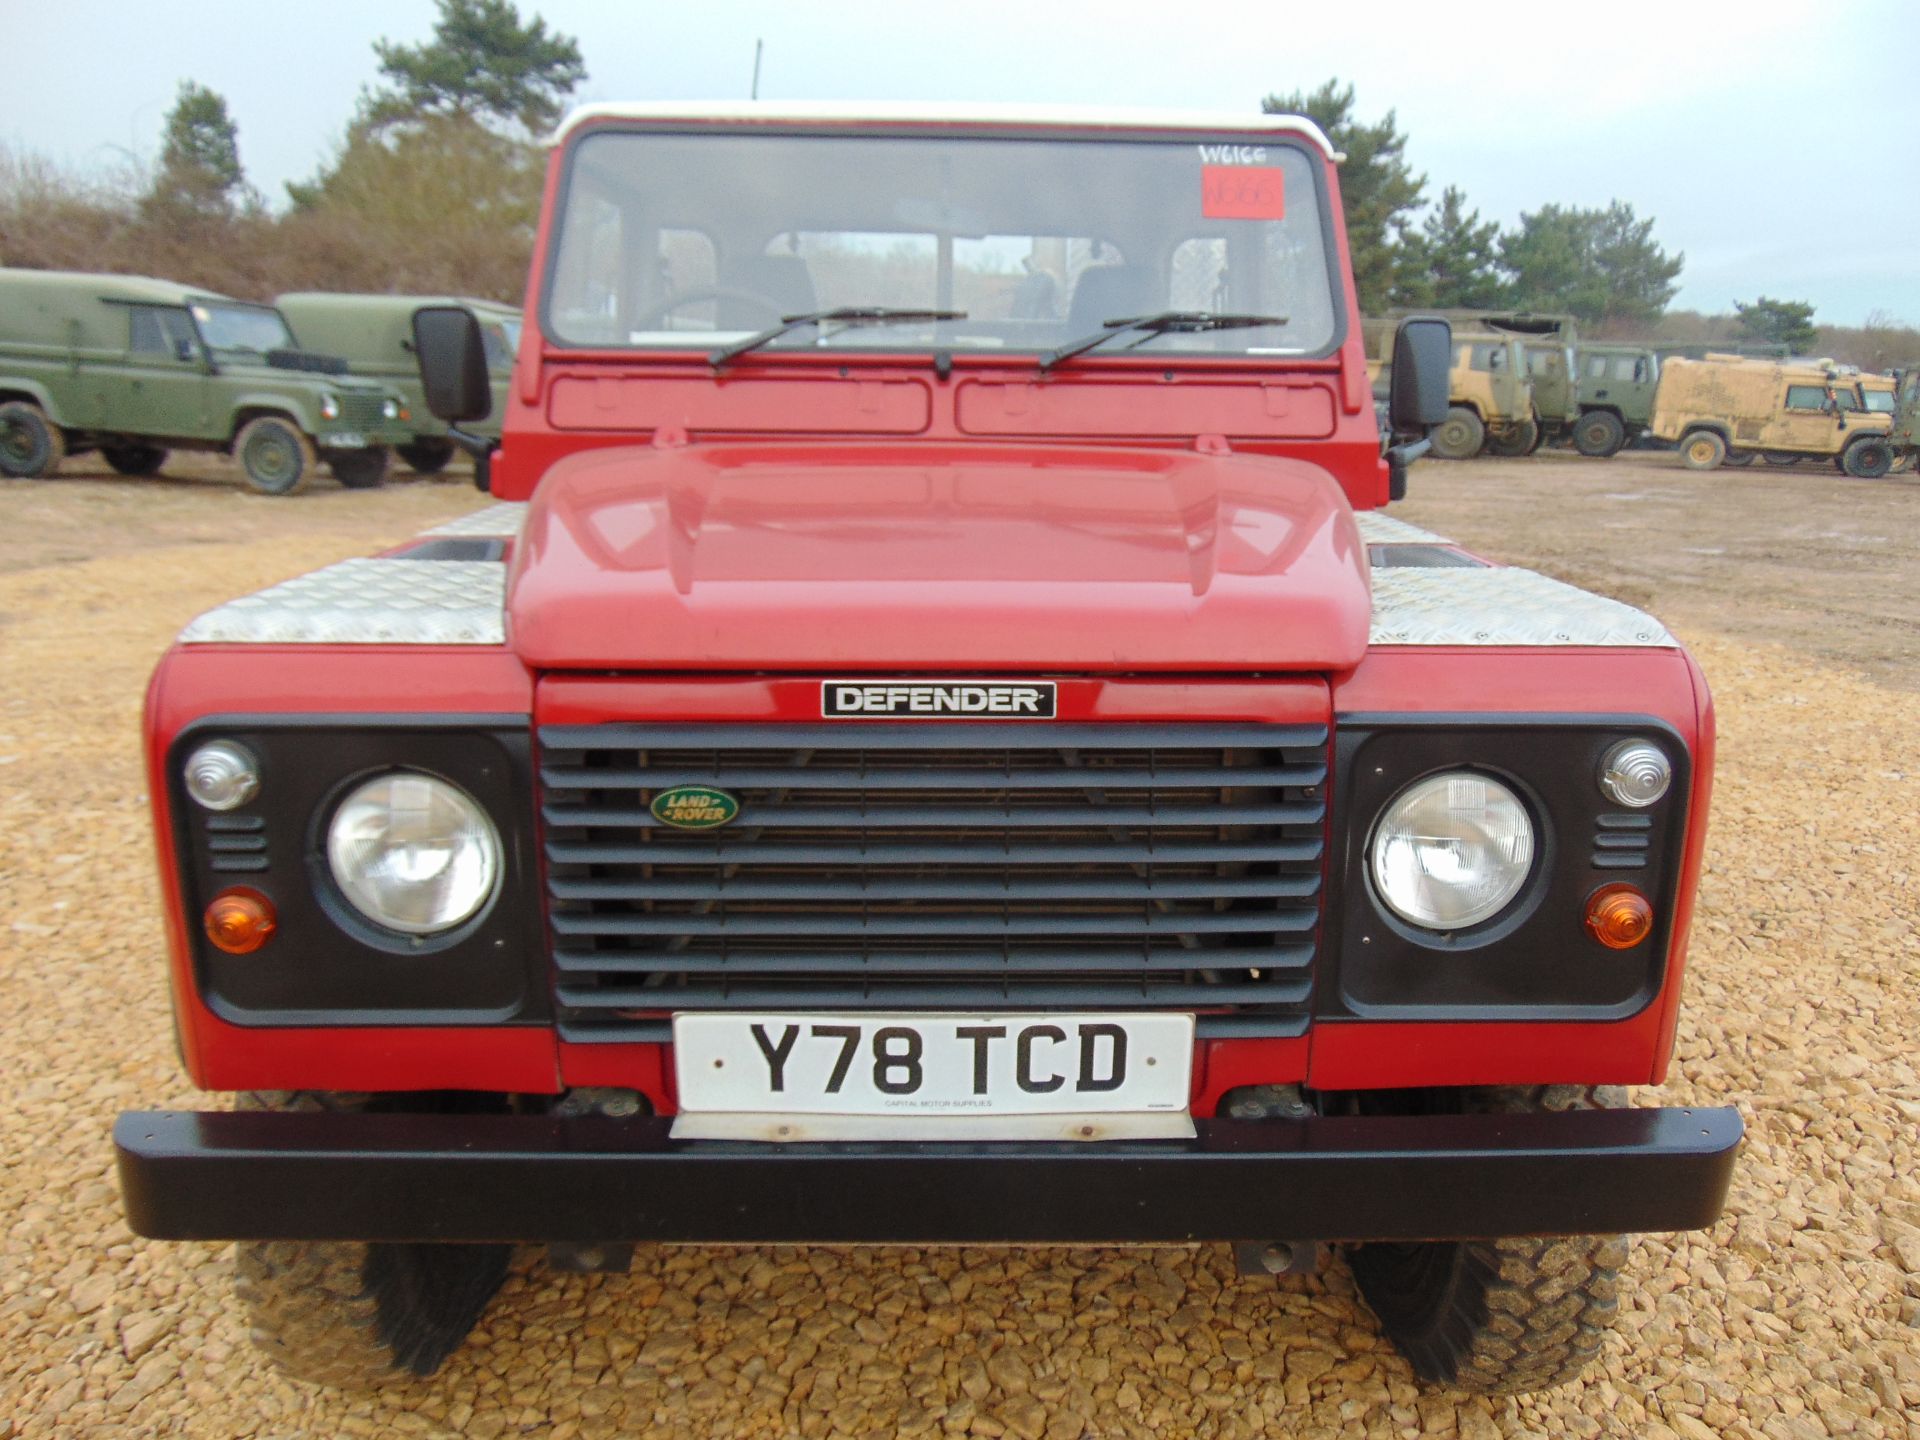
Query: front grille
{"points": [[362, 412], [946, 866]]}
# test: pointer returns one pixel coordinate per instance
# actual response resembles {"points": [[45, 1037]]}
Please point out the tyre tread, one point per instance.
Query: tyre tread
{"points": [[1521, 1313]]}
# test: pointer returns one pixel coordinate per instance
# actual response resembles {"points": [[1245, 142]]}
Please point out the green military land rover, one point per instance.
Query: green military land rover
{"points": [[135, 368], [374, 333]]}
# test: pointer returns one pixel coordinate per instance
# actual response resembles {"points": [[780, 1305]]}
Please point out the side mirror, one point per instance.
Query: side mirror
{"points": [[183, 350], [453, 363], [1422, 356]]}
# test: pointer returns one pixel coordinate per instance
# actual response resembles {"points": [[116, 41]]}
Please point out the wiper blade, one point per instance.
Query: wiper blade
{"points": [[846, 315], [1148, 326]]}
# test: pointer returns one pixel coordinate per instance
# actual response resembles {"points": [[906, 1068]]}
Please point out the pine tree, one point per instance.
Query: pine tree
{"points": [[1783, 322], [199, 157], [1601, 265], [1452, 261], [483, 63]]}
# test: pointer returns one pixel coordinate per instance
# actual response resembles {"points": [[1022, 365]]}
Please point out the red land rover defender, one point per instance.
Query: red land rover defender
{"points": [[934, 742]]}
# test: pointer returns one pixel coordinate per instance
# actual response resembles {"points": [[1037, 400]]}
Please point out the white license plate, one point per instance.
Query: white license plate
{"points": [[919, 1076], [346, 440]]}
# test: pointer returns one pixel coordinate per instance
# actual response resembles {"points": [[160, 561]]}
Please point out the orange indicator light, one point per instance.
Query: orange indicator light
{"points": [[1619, 916], [240, 921]]}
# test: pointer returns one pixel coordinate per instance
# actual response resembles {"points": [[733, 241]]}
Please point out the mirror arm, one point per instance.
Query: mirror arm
{"points": [[481, 448], [1400, 459]]}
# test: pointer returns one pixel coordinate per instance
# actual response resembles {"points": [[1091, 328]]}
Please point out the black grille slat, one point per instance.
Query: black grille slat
{"points": [[1008, 960], [943, 865], [929, 817], [828, 891], [848, 993], [723, 852], [939, 778], [882, 923]]}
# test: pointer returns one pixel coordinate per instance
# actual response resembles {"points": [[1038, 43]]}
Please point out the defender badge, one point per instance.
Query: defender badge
{"points": [[694, 807]]}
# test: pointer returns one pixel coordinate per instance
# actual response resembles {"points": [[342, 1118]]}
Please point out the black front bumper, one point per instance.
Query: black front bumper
{"points": [[264, 1176]]}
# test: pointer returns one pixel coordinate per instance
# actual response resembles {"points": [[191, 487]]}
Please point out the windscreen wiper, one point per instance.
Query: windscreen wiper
{"points": [[1148, 326], [846, 315]]}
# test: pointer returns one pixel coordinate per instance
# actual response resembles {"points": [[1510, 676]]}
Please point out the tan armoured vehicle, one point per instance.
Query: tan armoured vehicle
{"points": [[1729, 410], [1489, 400]]}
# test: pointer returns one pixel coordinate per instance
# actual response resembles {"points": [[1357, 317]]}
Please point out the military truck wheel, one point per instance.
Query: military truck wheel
{"points": [[31, 445], [277, 458], [134, 459], [353, 1315], [426, 457], [359, 469], [1599, 434], [1776, 457], [1702, 450], [1522, 440], [1460, 435], [1742, 458], [1500, 1317], [1867, 458]]}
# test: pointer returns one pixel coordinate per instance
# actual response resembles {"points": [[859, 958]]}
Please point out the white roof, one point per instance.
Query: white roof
{"points": [[950, 113]]}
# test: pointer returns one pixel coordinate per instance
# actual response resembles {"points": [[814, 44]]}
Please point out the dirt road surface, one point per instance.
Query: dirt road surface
{"points": [[1798, 1316]]}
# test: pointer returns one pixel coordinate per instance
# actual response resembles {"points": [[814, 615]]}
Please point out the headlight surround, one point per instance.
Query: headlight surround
{"points": [[1451, 850], [413, 853]]}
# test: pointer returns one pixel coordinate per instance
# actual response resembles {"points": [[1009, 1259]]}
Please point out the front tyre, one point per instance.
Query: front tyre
{"points": [[1867, 458], [31, 445], [277, 458], [1499, 1317], [1460, 435], [1703, 450], [359, 469], [1599, 434], [354, 1315]]}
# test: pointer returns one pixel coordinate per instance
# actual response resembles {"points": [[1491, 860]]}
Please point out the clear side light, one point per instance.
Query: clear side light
{"points": [[1635, 773], [222, 775]]}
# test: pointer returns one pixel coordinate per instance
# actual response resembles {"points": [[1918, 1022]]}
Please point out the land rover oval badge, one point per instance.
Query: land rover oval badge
{"points": [[694, 807]]}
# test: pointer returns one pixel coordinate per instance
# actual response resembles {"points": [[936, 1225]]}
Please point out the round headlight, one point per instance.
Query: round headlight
{"points": [[329, 406], [222, 776], [1635, 773], [413, 853], [1451, 850], [391, 409]]}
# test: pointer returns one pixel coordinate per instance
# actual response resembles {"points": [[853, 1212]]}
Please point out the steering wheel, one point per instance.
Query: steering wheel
{"points": [[775, 310]]}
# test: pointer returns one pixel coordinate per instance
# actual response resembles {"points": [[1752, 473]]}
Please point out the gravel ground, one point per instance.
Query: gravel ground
{"points": [[1797, 1316]]}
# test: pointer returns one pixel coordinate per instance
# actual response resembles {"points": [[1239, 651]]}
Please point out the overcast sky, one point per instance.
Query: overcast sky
{"points": [[1774, 143]]}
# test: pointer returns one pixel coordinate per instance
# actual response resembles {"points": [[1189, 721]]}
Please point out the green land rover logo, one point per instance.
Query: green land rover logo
{"points": [[694, 807]]}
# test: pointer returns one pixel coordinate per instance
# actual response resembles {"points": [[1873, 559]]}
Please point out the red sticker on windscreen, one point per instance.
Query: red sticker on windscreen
{"points": [[1243, 192]]}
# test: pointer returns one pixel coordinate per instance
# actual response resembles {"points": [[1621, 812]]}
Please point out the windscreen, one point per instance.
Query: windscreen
{"points": [[1879, 402], [249, 329], [688, 240]]}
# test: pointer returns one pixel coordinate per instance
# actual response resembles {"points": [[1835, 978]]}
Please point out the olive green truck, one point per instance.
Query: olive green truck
{"points": [[137, 368], [374, 334]]}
